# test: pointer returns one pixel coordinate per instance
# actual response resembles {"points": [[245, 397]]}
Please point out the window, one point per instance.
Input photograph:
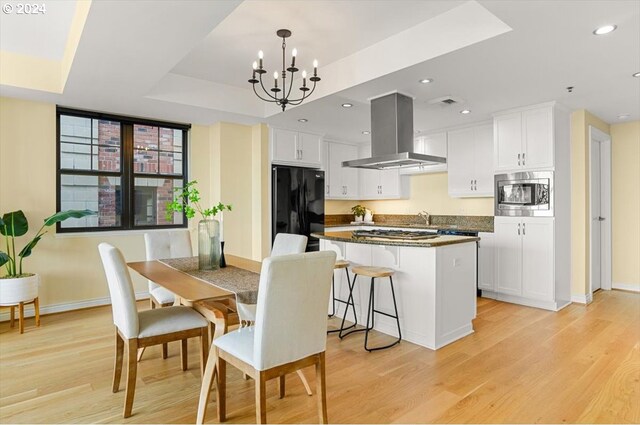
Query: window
{"points": [[124, 168]]}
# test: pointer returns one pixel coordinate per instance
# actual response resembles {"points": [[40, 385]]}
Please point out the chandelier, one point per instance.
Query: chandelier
{"points": [[283, 99]]}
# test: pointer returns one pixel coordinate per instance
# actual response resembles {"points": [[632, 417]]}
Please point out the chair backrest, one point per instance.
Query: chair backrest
{"points": [[171, 244], [123, 298], [293, 300], [287, 243]]}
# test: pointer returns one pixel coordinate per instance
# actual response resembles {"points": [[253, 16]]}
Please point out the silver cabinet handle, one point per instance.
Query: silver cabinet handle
{"points": [[518, 228], [471, 184], [524, 228], [518, 159], [523, 158], [475, 185], [301, 154]]}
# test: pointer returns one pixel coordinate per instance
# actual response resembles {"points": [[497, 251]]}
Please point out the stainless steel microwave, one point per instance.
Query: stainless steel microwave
{"points": [[524, 194]]}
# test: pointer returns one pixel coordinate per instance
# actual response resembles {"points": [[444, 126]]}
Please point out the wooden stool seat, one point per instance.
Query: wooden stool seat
{"points": [[371, 271], [341, 264]]}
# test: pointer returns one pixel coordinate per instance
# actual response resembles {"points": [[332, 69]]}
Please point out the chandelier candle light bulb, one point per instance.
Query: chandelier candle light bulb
{"points": [[285, 97]]}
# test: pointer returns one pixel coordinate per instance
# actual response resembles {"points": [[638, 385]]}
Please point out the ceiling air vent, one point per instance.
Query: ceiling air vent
{"points": [[445, 101]]}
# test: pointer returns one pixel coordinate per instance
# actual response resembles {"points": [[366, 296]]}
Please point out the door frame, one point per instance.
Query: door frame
{"points": [[598, 136]]}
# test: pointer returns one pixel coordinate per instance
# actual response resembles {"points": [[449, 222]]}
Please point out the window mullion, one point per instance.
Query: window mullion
{"points": [[127, 176]]}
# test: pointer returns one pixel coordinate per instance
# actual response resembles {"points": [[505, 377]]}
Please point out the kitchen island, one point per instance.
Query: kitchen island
{"points": [[435, 284]]}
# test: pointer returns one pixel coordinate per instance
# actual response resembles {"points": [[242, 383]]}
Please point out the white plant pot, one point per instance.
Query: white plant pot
{"points": [[358, 218], [20, 289]]}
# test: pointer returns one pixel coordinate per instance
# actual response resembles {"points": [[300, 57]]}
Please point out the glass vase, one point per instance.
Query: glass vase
{"points": [[209, 244]]}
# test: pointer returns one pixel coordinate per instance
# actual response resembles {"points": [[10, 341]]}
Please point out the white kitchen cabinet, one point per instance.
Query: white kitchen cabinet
{"points": [[525, 269], [486, 262], [524, 139], [342, 181], [295, 148], [470, 161], [430, 144], [381, 184]]}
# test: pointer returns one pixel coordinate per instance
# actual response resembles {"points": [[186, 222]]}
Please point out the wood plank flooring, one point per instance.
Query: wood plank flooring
{"points": [[522, 365]]}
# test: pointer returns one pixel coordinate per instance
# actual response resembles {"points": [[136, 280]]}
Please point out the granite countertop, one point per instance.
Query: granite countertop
{"points": [[347, 236], [461, 228]]}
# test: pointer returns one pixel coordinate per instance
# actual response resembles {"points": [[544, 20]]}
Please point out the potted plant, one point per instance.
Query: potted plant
{"points": [[17, 285], [358, 211], [187, 199]]}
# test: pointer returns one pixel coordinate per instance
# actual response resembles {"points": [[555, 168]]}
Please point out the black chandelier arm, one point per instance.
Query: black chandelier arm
{"points": [[275, 99], [260, 97], [304, 96]]}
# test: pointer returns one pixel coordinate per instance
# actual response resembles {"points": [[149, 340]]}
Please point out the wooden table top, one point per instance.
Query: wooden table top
{"points": [[185, 286]]}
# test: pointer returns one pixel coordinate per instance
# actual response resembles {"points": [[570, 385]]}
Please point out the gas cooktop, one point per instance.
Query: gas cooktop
{"points": [[394, 234]]}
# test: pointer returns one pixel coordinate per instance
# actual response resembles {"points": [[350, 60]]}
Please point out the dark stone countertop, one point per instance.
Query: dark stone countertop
{"points": [[347, 236], [461, 228]]}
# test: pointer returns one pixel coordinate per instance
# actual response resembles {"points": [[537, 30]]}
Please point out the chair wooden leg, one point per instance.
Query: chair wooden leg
{"points": [[207, 381], [303, 378], [21, 317], [36, 308], [140, 353], [184, 354], [13, 316], [132, 371], [281, 386], [117, 364], [321, 388], [204, 349], [261, 399], [221, 390]]}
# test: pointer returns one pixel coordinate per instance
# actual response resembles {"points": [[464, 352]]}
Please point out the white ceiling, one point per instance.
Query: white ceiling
{"points": [[189, 60], [41, 34]]}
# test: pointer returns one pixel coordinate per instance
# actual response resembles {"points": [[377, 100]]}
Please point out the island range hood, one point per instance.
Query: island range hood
{"points": [[392, 136]]}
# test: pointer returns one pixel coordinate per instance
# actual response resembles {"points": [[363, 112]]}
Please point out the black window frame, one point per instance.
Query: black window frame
{"points": [[126, 173]]}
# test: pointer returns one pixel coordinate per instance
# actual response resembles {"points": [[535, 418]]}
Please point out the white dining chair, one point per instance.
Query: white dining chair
{"points": [[150, 327], [159, 245], [289, 332]]}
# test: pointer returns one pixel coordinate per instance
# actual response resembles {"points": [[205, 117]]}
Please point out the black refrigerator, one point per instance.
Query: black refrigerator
{"points": [[297, 202]]}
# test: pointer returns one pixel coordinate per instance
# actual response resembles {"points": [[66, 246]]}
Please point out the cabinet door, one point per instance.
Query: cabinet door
{"points": [[309, 147], [436, 145], [368, 180], [483, 176], [486, 262], [461, 162], [538, 279], [324, 165], [537, 126], [390, 184], [284, 146], [336, 188], [350, 175], [508, 252], [507, 141]]}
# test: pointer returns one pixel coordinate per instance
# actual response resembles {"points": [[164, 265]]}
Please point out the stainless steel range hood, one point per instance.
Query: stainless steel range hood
{"points": [[392, 136]]}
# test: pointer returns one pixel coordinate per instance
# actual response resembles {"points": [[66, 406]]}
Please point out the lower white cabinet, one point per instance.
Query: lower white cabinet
{"points": [[525, 264], [486, 262]]}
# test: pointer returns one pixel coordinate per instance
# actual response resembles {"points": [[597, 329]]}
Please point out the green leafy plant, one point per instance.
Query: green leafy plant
{"points": [[187, 199], [358, 210], [15, 224]]}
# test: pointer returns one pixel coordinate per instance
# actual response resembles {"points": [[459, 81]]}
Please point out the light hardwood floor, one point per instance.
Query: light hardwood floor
{"points": [[522, 365]]}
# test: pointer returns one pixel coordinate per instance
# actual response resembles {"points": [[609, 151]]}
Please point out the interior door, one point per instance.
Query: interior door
{"points": [[596, 214]]}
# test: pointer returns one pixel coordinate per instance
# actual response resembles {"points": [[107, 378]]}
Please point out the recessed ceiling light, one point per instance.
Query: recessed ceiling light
{"points": [[303, 120], [465, 111], [426, 80], [606, 29], [624, 116], [366, 132], [637, 74], [347, 105]]}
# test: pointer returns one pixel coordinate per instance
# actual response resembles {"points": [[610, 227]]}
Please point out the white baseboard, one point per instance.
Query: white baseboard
{"points": [[634, 287], [582, 298], [59, 308]]}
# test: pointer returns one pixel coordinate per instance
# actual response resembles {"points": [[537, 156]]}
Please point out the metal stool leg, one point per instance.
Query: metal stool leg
{"points": [[355, 318], [370, 312], [346, 310], [333, 295], [397, 317]]}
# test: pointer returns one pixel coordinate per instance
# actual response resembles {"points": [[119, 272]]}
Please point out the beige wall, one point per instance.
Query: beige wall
{"points": [[70, 266], [428, 192], [625, 165], [580, 122]]}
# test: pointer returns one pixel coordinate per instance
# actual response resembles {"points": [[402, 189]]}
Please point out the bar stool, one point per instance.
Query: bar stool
{"points": [[342, 264], [373, 273]]}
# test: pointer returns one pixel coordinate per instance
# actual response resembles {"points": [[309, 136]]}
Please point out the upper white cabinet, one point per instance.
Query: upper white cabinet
{"points": [[381, 184], [470, 161], [341, 182], [524, 139], [295, 148], [430, 144]]}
